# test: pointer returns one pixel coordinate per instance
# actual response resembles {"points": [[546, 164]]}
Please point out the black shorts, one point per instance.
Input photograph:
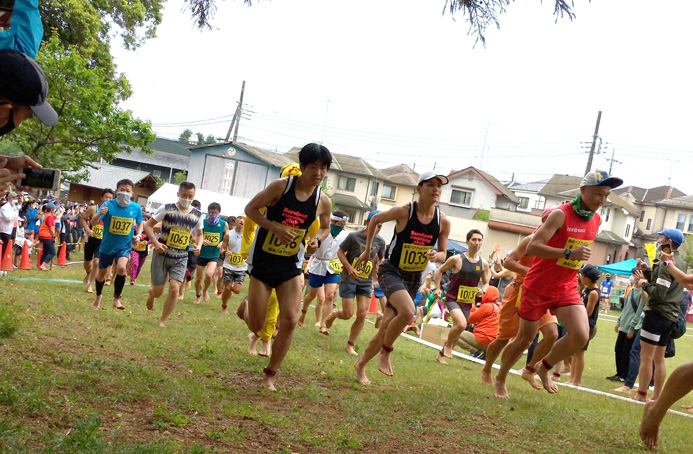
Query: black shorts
{"points": [[656, 329], [392, 279], [91, 249], [201, 261], [192, 264], [273, 277], [593, 332]]}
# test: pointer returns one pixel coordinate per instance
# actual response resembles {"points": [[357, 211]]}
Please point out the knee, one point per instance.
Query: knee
{"points": [[157, 291], [407, 314], [361, 315], [330, 296], [288, 321], [550, 335]]}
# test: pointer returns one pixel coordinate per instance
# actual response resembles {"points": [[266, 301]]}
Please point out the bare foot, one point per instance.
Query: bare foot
{"points": [[150, 304], [361, 374], [529, 377], [266, 348], [301, 318], [384, 363], [132, 282], [624, 389], [181, 296], [447, 351], [639, 397], [499, 389], [107, 283], [90, 289], [324, 331], [97, 303], [317, 324], [545, 376], [572, 383], [252, 343], [687, 407], [268, 382], [162, 323], [224, 310], [440, 358], [218, 295], [197, 299], [486, 378], [330, 319], [207, 297], [117, 304], [351, 350], [649, 426], [86, 279], [240, 312], [378, 319]]}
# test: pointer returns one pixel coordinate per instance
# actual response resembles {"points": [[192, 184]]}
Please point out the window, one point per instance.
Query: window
{"points": [[627, 230], [524, 202], [539, 203], [649, 224], [681, 221], [374, 188], [642, 215], [156, 173], [389, 192], [461, 197], [346, 184], [608, 210], [690, 224]]}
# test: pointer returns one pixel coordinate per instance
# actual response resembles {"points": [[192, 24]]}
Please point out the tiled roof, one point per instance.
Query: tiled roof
{"points": [[345, 163], [678, 202], [106, 176], [490, 179], [401, 174], [158, 158], [534, 186], [269, 157], [349, 201], [607, 236], [558, 184]]}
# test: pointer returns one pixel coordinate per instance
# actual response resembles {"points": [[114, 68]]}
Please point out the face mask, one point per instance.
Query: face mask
{"points": [[9, 126], [123, 198], [185, 203], [335, 229], [632, 280], [213, 219]]}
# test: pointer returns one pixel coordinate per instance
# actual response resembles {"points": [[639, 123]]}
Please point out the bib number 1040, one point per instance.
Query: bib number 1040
{"points": [[414, 257]]}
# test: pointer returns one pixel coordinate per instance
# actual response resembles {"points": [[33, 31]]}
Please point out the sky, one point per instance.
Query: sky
{"points": [[397, 81]]}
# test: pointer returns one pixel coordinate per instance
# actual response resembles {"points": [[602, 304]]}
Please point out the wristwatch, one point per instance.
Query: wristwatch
{"points": [[668, 262], [567, 253]]}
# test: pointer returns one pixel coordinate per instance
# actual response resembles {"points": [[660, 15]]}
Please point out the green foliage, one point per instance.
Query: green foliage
{"points": [[686, 251], [180, 177], [9, 321], [159, 181], [481, 215], [185, 136]]}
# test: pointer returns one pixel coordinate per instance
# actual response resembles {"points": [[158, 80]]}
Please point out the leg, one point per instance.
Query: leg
{"points": [[578, 366], [492, 352], [198, 283], [171, 300], [459, 323], [100, 277], [140, 265], [327, 308], [319, 306], [119, 281], [345, 313], [312, 293], [134, 265], [87, 270], [209, 276], [270, 325], [362, 303], [155, 291], [549, 333], [512, 353], [468, 342], [374, 346], [404, 305], [660, 371]]}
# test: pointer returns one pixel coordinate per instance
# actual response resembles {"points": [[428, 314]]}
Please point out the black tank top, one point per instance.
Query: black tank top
{"points": [[289, 212], [408, 248], [463, 284]]}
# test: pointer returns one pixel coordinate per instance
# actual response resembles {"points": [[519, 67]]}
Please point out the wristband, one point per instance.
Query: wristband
{"points": [[668, 262]]}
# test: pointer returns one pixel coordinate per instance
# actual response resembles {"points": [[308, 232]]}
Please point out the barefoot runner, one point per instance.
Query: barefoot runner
{"points": [[358, 283], [119, 218], [234, 267], [419, 225], [560, 246], [214, 231], [276, 256], [94, 237]]}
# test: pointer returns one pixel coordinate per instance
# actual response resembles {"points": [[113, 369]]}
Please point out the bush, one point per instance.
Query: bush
{"points": [[9, 321]]}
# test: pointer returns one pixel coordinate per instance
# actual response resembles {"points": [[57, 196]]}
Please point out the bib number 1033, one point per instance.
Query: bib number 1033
{"points": [[414, 257]]}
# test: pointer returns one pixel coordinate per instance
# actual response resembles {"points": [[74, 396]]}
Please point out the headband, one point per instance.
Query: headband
{"points": [[337, 218]]}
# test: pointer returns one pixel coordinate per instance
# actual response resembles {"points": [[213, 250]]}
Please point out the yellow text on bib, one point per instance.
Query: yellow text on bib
{"points": [[273, 246], [97, 232], [178, 239], [213, 238], [466, 295], [414, 257], [572, 243], [235, 259], [336, 265], [120, 226], [365, 269]]}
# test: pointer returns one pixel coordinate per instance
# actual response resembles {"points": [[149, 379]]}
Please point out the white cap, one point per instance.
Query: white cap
{"points": [[430, 175]]}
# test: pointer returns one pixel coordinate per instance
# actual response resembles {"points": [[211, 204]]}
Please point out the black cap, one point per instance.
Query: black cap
{"points": [[23, 82]]}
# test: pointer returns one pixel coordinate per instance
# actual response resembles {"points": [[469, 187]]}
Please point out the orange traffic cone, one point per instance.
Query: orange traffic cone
{"points": [[61, 256], [374, 304], [25, 264], [7, 258]]}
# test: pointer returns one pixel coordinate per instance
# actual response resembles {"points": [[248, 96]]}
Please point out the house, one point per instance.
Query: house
{"points": [[528, 195], [400, 187], [169, 158], [102, 176], [472, 190]]}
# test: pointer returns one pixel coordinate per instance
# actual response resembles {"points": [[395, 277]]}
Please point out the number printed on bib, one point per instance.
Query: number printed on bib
{"points": [[235, 259], [213, 238], [365, 269], [336, 265], [466, 294], [414, 257], [274, 246], [572, 243], [97, 232], [120, 226], [178, 239]]}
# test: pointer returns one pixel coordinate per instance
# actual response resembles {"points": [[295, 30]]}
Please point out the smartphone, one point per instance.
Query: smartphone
{"points": [[6, 7], [666, 248], [46, 179]]}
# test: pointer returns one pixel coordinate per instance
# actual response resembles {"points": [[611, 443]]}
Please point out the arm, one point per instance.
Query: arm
{"points": [[442, 241], [267, 197], [453, 262], [149, 230], [504, 273], [680, 276], [397, 213], [225, 244], [638, 313], [512, 261], [95, 219], [659, 282], [345, 263], [485, 276], [537, 245], [199, 238], [26, 30]]}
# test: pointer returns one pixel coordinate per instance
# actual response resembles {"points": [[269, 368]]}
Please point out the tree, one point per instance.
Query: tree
{"points": [[200, 138], [91, 126], [210, 139], [479, 13], [185, 136], [180, 177], [686, 251]]}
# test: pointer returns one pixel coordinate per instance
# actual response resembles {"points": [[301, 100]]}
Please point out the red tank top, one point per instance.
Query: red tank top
{"points": [[555, 277]]}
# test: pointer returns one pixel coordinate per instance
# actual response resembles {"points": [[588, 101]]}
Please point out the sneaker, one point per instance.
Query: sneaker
{"points": [[621, 379], [614, 378]]}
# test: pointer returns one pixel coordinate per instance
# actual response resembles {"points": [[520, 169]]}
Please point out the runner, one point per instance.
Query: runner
{"points": [[358, 283], [560, 246], [94, 237], [276, 256], [509, 322], [419, 225], [234, 267], [215, 230], [138, 256], [468, 269], [324, 272], [118, 218], [179, 221]]}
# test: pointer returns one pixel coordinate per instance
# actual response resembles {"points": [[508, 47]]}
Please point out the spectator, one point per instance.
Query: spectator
{"points": [[486, 319], [624, 341], [589, 275], [47, 236], [607, 285], [8, 216]]}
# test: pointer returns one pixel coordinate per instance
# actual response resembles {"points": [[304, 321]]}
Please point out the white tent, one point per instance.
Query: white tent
{"points": [[230, 205]]}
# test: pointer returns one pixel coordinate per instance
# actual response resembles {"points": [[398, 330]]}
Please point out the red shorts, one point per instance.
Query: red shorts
{"points": [[533, 305], [509, 321]]}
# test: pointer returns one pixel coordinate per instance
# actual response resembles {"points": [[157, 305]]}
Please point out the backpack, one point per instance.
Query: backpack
{"points": [[680, 326]]}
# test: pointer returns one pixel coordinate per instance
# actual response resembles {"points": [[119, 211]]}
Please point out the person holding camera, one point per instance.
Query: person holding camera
{"points": [[485, 315]]}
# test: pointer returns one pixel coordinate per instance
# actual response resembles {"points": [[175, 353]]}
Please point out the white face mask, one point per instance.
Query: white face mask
{"points": [[185, 203], [123, 198]]}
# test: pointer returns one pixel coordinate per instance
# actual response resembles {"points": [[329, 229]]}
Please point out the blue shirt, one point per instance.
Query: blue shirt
{"points": [[26, 30], [607, 284], [32, 226], [119, 227]]}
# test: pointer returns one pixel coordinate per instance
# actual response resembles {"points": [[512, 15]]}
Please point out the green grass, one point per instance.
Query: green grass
{"points": [[76, 380]]}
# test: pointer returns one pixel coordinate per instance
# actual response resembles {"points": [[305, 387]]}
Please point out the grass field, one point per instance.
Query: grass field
{"points": [[75, 380]]}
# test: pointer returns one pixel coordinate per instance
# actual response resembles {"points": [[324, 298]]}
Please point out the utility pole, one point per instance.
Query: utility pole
{"points": [[236, 117], [594, 142], [483, 148], [613, 150]]}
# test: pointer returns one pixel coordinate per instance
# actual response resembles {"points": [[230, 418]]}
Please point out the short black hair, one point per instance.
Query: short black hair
{"points": [[196, 203], [341, 214], [108, 191], [214, 206], [125, 181], [472, 232], [314, 153], [186, 185], [231, 219]]}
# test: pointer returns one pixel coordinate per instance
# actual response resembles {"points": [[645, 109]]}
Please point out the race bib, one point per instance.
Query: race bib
{"points": [[336, 265], [213, 238], [305, 265], [466, 295], [365, 269], [572, 243], [178, 239], [97, 232], [414, 257], [519, 296], [235, 259], [120, 226], [273, 245], [142, 246]]}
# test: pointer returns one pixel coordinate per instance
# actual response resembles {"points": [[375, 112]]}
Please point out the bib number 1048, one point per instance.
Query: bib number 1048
{"points": [[273, 245]]}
